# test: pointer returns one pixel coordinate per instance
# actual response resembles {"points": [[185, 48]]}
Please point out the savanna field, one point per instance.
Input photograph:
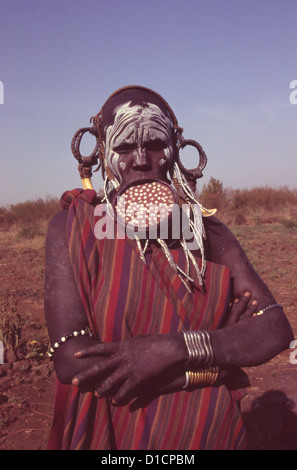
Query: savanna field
{"points": [[265, 222]]}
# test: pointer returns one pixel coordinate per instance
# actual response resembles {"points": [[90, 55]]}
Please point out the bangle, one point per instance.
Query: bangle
{"points": [[57, 344], [199, 349], [187, 380], [204, 377], [267, 308]]}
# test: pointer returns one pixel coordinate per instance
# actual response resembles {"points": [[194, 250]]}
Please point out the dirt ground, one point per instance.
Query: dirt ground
{"points": [[27, 376]]}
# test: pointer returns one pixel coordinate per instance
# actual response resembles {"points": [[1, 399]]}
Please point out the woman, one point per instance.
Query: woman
{"points": [[149, 333]]}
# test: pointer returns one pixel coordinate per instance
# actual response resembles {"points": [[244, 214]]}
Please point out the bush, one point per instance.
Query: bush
{"points": [[28, 213], [6, 218], [257, 205], [10, 322], [29, 232], [212, 195], [290, 223], [238, 206], [34, 211]]}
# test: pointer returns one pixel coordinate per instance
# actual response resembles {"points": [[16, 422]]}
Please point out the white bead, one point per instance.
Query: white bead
{"points": [[64, 339]]}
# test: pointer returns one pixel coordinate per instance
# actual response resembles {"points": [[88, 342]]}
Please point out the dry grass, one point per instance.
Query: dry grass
{"points": [[28, 215], [263, 205], [23, 226]]}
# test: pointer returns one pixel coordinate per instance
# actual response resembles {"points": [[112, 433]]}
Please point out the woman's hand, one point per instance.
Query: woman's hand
{"points": [[241, 309], [128, 369], [144, 366]]}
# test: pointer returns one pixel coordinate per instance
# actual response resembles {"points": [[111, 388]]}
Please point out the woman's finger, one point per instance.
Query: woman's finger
{"points": [[250, 310], [238, 307], [124, 394], [100, 349], [93, 372], [110, 385]]}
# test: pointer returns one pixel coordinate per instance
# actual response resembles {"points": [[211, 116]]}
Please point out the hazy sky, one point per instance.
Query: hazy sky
{"points": [[224, 66]]}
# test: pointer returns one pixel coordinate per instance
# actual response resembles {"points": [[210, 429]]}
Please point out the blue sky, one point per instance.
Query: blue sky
{"points": [[224, 66]]}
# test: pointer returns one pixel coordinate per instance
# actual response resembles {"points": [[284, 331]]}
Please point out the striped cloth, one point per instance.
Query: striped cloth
{"points": [[124, 298]]}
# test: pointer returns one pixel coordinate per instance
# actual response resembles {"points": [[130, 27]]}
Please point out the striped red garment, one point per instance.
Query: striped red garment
{"points": [[124, 298]]}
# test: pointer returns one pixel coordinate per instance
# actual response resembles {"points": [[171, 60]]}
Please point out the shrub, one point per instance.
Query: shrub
{"points": [[28, 213], [256, 205], [6, 218], [290, 223], [212, 195], [34, 211], [29, 232], [10, 322]]}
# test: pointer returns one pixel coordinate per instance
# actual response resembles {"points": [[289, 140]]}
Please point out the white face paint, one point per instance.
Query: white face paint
{"points": [[137, 127]]}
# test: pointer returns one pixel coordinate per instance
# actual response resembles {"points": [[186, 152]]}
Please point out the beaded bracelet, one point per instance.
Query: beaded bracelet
{"points": [[57, 344], [267, 308]]}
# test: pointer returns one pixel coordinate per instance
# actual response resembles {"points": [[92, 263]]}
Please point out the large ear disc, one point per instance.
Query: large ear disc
{"points": [[195, 173], [85, 163]]}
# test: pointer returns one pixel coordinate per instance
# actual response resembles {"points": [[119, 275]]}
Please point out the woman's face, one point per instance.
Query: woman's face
{"points": [[139, 143]]}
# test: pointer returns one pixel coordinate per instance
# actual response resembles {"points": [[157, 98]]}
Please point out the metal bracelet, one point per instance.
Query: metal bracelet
{"points": [[199, 349], [203, 377]]}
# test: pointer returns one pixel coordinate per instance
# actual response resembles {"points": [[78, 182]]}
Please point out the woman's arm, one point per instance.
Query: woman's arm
{"points": [[258, 338], [223, 248], [64, 311], [145, 367]]}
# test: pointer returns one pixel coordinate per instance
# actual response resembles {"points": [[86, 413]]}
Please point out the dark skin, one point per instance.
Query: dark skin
{"points": [[125, 371]]}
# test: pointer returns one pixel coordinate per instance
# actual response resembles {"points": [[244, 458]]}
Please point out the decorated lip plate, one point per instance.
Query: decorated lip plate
{"points": [[145, 205]]}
